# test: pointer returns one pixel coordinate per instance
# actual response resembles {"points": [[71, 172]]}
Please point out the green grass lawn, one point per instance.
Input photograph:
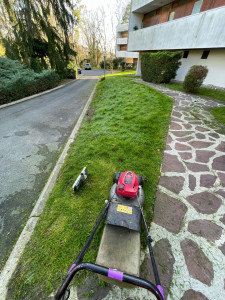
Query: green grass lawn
{"points": [[125, 129], [219, 114], [202, 91]]}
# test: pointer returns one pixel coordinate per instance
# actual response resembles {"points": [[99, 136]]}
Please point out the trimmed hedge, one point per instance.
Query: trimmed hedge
{"points": [[194, 78], [17, 81], [160, 67]]}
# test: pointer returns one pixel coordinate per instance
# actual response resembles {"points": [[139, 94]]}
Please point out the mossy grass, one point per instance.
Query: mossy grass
{"points": [[126, 130], [202, 91], [219, 114]]}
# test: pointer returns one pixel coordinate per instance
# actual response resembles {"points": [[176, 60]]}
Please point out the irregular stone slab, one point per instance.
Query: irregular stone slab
{"points": [[219, 163], [177, 114], [172, 164], [207, 180], [192, 182], [168, 147], [221, 147], [194, 167], [176, 119], [221, 193], [222, 178], [222, 248], [200, 136], [164, 260], [182, 147], [205, 202], [188, 126], [215, 135], [206, 229], [223, 219], [204, 155], [202, 129], [200, 145], [199, 266], [193, 295], [181, 133], [185, 155], [175, 126], [169, 212], [169, 139], [92, 288], [173, 183], [186, 139]]}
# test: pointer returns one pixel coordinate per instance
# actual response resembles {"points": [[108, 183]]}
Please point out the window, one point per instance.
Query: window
{"points": [[205, 54], [165, 8], [181, 2], [151, 14], [171, 15], [158, 11], [176, 4], [197, 7], [185, 54]]}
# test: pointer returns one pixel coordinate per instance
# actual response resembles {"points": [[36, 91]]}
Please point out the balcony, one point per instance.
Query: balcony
{"points": [[121, 41], [122, 27], [126, 54], [199, 31], [145, 6]]}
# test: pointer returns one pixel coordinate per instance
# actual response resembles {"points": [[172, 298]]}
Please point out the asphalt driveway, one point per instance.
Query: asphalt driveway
{"points": [[32, 135]]}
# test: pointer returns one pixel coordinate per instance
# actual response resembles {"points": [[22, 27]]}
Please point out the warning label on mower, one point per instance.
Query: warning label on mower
{"points": [[124, 209]]}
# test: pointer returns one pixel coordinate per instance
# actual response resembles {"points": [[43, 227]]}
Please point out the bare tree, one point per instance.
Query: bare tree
{"points": [[92, 28]]}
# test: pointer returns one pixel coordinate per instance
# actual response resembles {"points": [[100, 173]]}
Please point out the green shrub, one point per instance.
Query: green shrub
{"points": [[71, 71], [17, 81], [107, 64], [160, 67], [117, 62], [194, 78]]}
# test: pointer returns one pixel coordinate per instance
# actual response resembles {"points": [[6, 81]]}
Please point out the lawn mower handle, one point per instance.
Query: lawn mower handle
{"points": [[112, 273]]}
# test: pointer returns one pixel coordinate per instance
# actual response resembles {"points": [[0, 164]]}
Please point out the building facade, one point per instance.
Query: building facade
{"points": [[197, 27], [121, 45]]}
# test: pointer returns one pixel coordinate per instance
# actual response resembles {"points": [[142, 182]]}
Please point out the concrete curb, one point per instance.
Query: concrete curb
{"points": [[24, 237], [36, 95]]}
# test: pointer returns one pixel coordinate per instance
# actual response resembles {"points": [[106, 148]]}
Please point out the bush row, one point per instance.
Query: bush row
{"points": [[160, 67], [17, 81]]}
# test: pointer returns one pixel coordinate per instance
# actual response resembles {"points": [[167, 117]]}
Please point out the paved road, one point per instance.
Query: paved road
{"points": [[32, 134]]}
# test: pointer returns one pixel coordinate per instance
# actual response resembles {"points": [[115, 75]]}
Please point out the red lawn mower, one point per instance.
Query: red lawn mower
{"points": [[123, 214]]}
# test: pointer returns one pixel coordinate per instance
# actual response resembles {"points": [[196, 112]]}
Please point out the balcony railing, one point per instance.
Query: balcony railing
{"points": [[199, 31], [126, 54], [121, 41], [122, 27]]}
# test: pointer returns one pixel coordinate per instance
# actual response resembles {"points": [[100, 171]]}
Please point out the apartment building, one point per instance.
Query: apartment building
{"points": [[197, 27], [121, 45]]}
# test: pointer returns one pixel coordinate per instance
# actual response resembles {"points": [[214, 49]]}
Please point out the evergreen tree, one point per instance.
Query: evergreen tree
{"points": [[39, 32]]}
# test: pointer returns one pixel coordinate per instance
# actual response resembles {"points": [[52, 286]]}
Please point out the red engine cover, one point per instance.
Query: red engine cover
{"points": [[128, 184]]}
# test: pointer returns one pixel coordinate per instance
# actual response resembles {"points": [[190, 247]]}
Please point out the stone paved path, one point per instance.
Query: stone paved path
{"points": [[189, 219]]}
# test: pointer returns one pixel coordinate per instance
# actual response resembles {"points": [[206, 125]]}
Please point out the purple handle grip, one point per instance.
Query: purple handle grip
{"points": [[73, 266], [115, 274], [161, 290]]}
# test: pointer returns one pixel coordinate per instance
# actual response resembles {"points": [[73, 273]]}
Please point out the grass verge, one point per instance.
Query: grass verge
{"points": [[202, 91], [219, 114], [125, 128]]}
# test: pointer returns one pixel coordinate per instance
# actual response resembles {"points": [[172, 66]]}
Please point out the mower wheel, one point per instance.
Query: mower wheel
{"points": [[141, 180], [116, 176]]}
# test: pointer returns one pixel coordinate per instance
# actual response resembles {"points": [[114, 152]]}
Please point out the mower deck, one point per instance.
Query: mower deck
{"points": [[119, 249]]}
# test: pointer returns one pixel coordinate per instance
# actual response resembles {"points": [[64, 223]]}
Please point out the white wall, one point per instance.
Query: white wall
{"points": [[202, 30], [215, 63]]}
